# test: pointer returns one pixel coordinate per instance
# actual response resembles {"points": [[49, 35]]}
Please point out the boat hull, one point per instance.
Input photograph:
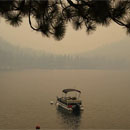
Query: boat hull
{"points": [[64, 106], [59, 104]]}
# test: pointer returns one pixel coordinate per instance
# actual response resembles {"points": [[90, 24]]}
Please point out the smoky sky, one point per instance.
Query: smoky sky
{"points": [[74, 42]]}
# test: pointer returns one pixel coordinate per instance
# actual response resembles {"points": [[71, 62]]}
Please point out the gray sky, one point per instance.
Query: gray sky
{"points": [[74, 42]]}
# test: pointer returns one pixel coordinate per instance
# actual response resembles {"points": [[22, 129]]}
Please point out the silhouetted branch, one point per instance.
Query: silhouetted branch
{"points": [[51, 16]]}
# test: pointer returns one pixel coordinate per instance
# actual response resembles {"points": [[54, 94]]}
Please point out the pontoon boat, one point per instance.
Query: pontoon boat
{"points": [[71, 103]]}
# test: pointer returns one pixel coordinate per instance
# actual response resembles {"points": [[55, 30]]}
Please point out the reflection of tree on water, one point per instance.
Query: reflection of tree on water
{"points": [[71, 120]]}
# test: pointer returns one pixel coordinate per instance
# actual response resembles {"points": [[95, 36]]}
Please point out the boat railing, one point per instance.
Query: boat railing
{"points": [[73, 101]]}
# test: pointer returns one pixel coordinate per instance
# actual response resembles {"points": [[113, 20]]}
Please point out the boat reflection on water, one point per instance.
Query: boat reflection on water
{"points": [[70, 120]]}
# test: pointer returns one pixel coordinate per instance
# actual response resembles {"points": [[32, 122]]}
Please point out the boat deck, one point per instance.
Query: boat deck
{"points": [[69, 100]]}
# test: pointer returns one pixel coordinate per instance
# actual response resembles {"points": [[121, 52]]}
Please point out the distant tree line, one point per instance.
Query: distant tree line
{"points": [[13, 58], [50, 17]]}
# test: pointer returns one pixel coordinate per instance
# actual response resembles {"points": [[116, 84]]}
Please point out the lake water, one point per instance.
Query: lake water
{"points": [[25, 99]]}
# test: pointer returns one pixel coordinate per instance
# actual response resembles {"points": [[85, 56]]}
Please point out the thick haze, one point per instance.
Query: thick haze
{"points": [[75, 42], [106, 48], [113, 56]]}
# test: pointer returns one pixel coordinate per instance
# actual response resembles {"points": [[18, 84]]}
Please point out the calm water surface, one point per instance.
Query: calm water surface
{"points": [[25, 99]]}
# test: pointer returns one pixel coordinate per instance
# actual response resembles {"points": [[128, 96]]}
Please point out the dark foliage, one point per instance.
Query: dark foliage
{"points": [[52, 16]]}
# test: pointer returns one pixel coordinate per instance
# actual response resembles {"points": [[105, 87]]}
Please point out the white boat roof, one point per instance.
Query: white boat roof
{"points": [[70, 90]]}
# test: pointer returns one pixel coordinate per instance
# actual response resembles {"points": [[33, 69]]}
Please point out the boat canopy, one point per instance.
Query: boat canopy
{"points": [[70, 90]]}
